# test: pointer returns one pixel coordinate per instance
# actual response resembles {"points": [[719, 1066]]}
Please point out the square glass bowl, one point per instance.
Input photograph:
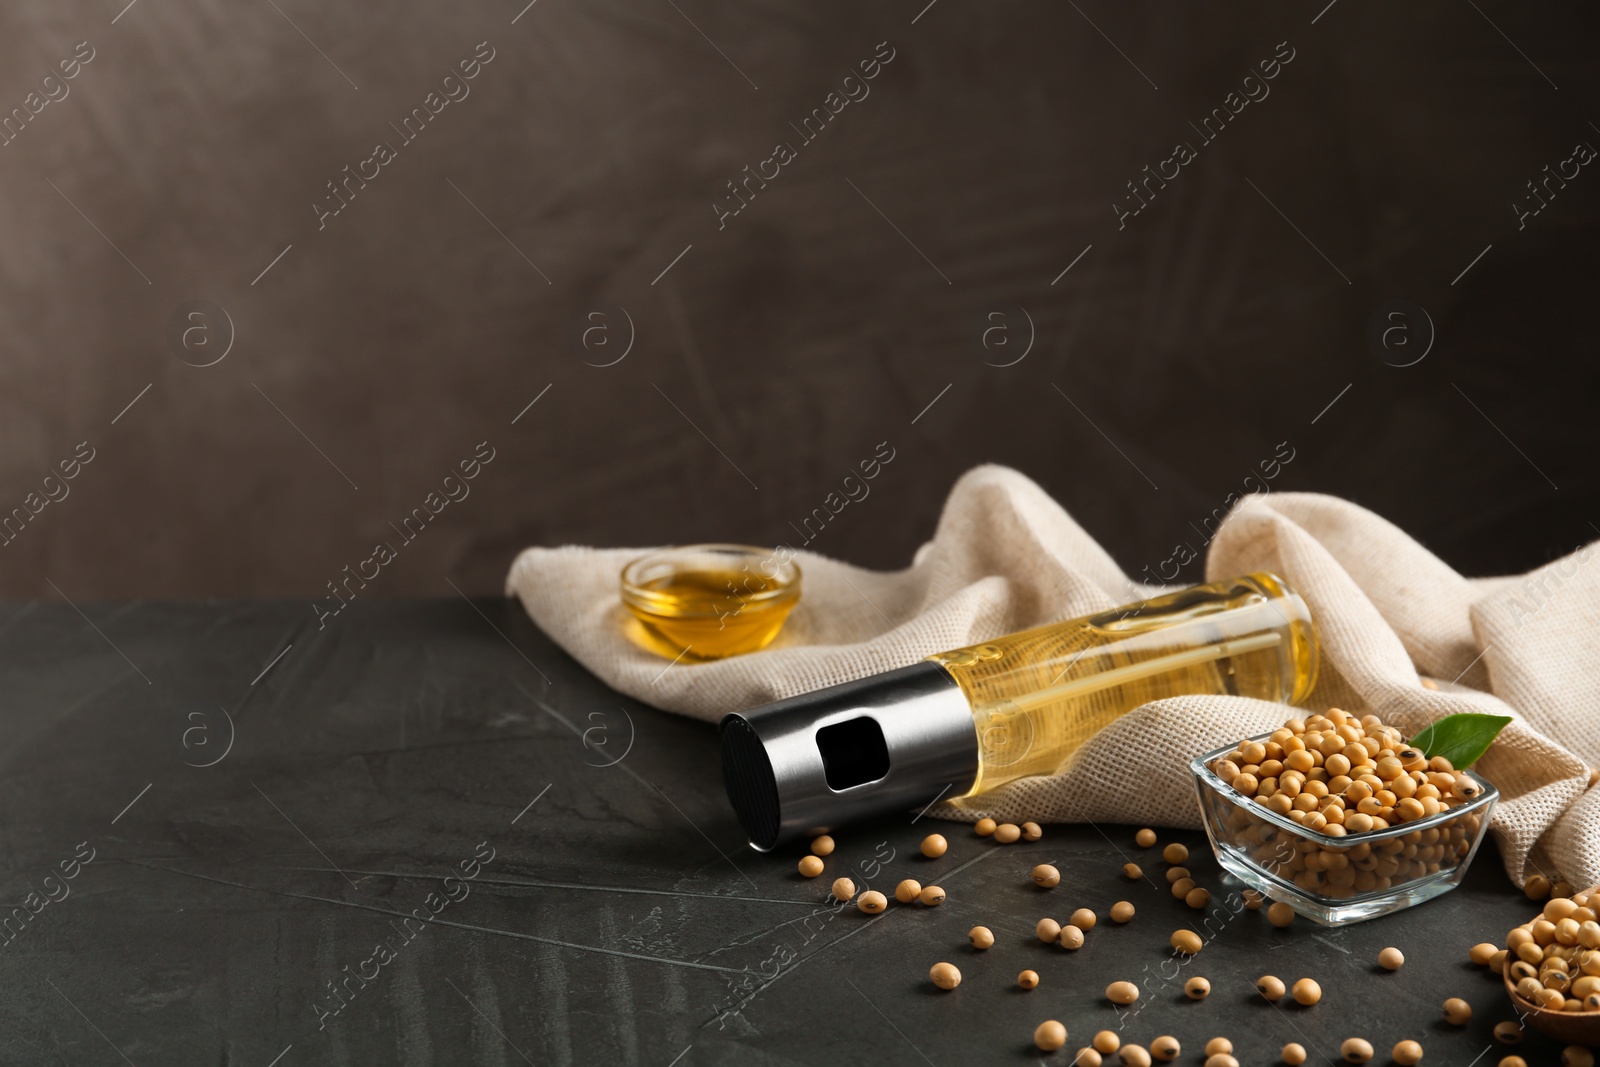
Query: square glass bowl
{"points": [[1339, 880]]}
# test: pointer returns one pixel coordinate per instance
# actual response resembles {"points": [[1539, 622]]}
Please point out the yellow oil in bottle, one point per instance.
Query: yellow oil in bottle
{"points": [[1038, 695], [697, 607]]}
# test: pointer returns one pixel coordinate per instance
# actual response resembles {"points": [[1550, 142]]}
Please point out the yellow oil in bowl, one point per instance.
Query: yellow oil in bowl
{"points": [[707, 602]]}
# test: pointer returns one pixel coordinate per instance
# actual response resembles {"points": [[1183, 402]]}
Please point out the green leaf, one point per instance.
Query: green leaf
{"points": [[1461, 739]]}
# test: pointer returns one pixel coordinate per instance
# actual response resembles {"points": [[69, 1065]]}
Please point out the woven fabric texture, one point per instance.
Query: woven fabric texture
{"points": [[1005, 557]]}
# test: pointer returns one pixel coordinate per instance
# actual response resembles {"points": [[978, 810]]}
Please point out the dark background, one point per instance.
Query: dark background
{"points": [[1176, 353]]}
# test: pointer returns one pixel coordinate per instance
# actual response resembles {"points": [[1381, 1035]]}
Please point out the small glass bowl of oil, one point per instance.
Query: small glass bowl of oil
{"points": [[709, 601]]}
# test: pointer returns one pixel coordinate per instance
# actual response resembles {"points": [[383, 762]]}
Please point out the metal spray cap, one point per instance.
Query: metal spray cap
{"points": [[880, 744]]}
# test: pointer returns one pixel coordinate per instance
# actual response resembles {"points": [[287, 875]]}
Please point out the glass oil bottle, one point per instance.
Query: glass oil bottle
{"points": [[963, 722]]}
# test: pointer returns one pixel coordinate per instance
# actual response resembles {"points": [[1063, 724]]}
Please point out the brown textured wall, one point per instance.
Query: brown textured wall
{"points": [[1174, 357]]}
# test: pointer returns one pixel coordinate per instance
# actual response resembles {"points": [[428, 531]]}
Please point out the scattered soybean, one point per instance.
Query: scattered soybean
{"points": [[1122, 993], [1307, 992], [1187, 942], [1356, 1050]]}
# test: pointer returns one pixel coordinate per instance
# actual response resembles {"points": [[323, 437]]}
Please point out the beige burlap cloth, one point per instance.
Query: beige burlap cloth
{"points": [[1006, 557]]}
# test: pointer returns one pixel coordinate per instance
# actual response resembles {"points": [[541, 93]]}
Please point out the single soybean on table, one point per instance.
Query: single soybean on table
{"points": [[425, 835]]}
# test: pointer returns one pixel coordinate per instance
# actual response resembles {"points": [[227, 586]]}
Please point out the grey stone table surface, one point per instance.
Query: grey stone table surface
{"points": [[273, 810]]}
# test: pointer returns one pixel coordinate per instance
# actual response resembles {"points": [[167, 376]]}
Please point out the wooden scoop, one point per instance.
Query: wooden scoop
{"points": [[1568, 1027]]}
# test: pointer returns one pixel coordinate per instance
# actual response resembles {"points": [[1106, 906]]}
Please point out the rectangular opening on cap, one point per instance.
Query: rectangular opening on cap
{"points": [[853, 752]]}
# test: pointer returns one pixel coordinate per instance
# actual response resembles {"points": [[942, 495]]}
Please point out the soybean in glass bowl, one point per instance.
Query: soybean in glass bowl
{"points": [[1339, 880]]}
